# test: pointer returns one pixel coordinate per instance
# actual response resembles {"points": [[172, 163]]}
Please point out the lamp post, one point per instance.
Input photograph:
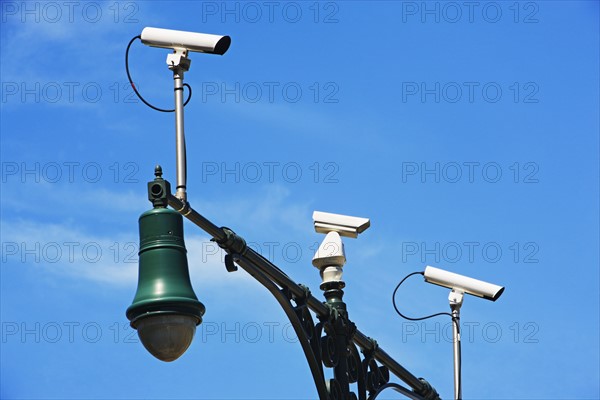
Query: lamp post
{"points": [[345, 363]]}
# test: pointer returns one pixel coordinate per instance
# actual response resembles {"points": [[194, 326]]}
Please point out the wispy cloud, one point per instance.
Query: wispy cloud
{"points": [[66, 43], [74, 200], [65, 249], [74, 247], [109, 260], [271, 208], [291, 117]]}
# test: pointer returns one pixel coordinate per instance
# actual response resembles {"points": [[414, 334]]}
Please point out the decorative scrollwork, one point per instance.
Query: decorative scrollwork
{"points": [[308, 324], [354, 364], [328, 351], [335, 390], [356, 372], [330, 344]]}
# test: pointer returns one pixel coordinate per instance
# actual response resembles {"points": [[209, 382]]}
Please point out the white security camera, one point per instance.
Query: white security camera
{"points": [[342, 224], [463, 283], [459, 285], [190, 41], [330, 256]]}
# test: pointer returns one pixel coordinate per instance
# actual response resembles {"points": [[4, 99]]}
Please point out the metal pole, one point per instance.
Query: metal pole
{"points": [[180, 136], [456, 340], [456, 298]]}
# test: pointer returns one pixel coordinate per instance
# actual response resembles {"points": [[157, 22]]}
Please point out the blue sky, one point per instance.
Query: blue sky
{"points": [[467, 133]]}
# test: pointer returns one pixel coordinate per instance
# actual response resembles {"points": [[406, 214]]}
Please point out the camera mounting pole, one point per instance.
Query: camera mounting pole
{"points": [[179, 63], [456, 299]]}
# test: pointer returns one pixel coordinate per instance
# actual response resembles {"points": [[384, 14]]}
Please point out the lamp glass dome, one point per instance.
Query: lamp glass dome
{"points": [[166, 336]]}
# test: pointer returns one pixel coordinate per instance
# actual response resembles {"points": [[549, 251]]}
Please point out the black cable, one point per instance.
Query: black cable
{"points": [[404, 316], [138, 93]]}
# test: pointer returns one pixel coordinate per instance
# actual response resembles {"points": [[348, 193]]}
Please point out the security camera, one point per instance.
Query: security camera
{"points": [[190, 41], [330, 256], [463, 283], [342, 224], [458, 285]]}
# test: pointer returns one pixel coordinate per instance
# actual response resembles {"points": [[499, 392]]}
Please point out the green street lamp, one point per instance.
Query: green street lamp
{"points": [[165, 310]]}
